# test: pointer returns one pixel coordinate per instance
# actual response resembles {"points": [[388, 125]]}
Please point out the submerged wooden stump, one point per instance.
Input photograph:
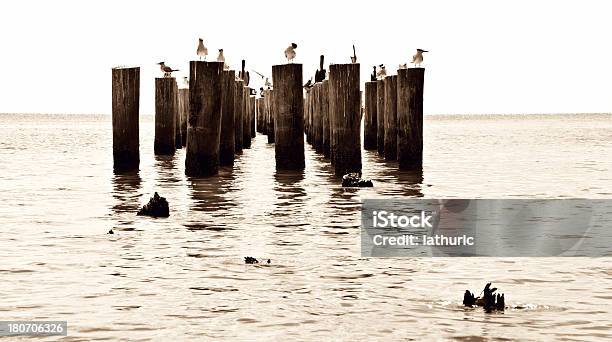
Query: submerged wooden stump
{"points": [[165, 116], [370, 126], [325, 127], [390, 117], [380, 117], [288, 116], [345, 111], [184, 109], [410, 118], [204, 130], [126, 106], [227, 140]]}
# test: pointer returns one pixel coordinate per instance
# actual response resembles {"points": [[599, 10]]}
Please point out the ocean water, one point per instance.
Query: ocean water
{"points": [[184, 278]]}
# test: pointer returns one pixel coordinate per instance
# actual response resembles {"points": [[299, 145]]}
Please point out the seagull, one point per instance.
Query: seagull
{"points": [[382, 72], [267, 83], [290, 52], [373, 75], [418, 58], [403, 66], [221, 58], [186, 81], [261, 91], [166, 69], [308, 85], [202, 50], [354, 56]]}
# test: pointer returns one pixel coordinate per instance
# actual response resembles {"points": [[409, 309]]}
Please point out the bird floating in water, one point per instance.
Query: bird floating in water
{"points": [[166, 69], [418, 58], [290, 52], [354, 56], [403, 66], [202, 50], [382, 72]]}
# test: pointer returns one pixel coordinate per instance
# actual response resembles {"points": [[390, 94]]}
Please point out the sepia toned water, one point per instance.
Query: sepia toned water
{"points": [[184, 278]]}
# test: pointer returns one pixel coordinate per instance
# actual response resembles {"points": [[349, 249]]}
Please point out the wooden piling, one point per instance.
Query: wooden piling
{"points": [[324, 98], [380, 117], [259, 105], [370, 128], [271, 116], [238, 114], [307, 125], [410, 118], [390, 117], [227, 142], [125, 106], [178, 138], [345, 113], [288, 116], [317, 120], [165, 116], [204, 128], [184, 109], [246, 118], [253, 113]]}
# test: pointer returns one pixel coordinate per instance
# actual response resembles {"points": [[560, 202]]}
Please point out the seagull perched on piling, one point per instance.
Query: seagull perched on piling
{"points": [[382, 72], [202, 50], [403, 66], [186, 81], [221, 58], [166, 69], [373, 74], [268, 84], [308, 85], [290, 52], [418, 58]]}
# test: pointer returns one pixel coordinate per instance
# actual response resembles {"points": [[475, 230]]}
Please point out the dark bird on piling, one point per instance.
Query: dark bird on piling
{"points": [[373, 75], [354, 56], [166, 69], [382, 72], [202, 50], [290, 52], [418, 58], [261, 91], [308, 85], [320, 73]]}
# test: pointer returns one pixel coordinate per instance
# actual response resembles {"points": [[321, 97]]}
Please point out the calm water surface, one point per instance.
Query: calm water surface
{"points": [[184, 278]]}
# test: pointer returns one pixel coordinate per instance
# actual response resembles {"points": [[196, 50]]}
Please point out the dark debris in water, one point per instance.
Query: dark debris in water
{"points": [[251, 260], [157, 207], [354, 180], [489, 301]]}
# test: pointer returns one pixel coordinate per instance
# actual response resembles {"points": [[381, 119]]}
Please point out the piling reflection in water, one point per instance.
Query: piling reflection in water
{"points": [[126, 194]]}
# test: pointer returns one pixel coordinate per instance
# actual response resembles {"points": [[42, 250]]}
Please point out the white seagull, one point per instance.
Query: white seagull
{"points": [[418, 58], [202, 50], [382, 72], [290, 52], [403, 66], [268, 84], [221, 58], [186, 81]]}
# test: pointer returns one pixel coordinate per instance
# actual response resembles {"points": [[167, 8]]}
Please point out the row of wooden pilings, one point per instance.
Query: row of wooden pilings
{"points": [[393, 118], [214, 118]]}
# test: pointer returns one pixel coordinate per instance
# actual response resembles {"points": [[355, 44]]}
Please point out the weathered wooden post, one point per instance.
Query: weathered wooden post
{"points": [[227, 143], [184, 109], [410, 118], [317, 118], [370, 120], [126, 106], [165, 116], [391, 117], [253, 113], [288, 116], [178, 138], [204, 129], [345, 108], [324, 98], [258, 103], [246, 119], [380, 116], [271, 116], [238, 114], [307, 129]]}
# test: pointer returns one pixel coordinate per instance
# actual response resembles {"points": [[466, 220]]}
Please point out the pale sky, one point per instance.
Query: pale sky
{"points": [[486, 56]]}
